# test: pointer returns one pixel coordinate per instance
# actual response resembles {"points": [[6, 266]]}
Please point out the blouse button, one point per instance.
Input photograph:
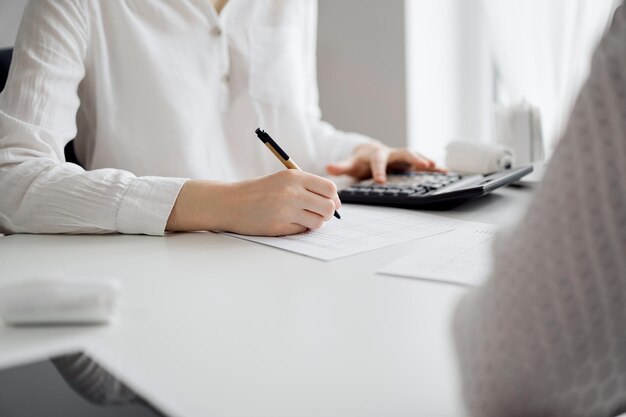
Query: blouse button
{"points": [[216, 31]]}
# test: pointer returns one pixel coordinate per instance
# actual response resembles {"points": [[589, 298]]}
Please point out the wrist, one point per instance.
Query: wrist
{"points": [[201, 205]]}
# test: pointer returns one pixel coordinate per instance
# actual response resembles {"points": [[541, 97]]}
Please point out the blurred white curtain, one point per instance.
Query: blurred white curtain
{"points": [[449, 75], [542, 49]]}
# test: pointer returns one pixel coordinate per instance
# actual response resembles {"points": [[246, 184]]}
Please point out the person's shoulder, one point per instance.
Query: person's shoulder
{"points": [[620, 15], [618, 23]]}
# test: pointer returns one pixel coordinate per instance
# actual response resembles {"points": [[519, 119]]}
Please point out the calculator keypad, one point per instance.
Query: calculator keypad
{"points": [[409, 185]]}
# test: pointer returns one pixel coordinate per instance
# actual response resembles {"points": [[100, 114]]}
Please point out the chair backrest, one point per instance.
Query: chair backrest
{"points": [[6, 55], [5, 64]]}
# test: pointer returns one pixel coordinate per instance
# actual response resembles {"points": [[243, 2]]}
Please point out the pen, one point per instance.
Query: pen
{"points": [[280, 154]]}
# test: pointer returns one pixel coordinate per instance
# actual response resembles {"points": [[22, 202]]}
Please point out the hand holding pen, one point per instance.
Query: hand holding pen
{"points": [[281, 155], [285, 203]]}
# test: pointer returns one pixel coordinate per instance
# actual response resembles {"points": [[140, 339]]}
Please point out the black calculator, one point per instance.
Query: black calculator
{"points": [[428, 190]]}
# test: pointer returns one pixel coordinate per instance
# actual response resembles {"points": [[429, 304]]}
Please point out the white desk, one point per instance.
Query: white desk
{"points": [[215, 326]]}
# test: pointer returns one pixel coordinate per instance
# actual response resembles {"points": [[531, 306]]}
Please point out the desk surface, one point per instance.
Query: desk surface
{"points": [[216, 326]]}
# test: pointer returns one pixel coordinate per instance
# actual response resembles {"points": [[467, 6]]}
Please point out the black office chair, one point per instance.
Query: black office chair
{"points": [[5, 63]]}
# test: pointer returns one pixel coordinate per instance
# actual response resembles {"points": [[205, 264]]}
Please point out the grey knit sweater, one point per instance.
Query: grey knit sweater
{"points": [[546, 335]]}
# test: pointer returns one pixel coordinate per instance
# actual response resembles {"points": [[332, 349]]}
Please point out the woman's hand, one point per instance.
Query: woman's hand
{"points": [[373, 159], [284, 203]]}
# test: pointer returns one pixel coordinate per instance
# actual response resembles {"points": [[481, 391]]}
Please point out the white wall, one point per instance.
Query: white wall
{"points": [[360, 65], [10, 14]]}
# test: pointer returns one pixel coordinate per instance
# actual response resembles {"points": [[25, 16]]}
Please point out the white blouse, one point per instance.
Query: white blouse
{"points": [[154, 92]]}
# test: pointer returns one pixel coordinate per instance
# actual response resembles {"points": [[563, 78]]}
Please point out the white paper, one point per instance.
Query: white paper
{"points": [[461, 256], [361, 229]]}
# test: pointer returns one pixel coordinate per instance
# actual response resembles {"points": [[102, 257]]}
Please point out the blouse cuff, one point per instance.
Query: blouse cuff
{"points": [[147, 205]]}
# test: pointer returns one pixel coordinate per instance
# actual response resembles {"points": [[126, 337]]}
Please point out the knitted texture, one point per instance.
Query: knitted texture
{"points": [[546, 335]]}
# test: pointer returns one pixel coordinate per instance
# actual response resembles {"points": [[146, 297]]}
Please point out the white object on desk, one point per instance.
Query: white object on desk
{"points": [[478, 158], [361, 229], [518, 126], [59, 301], [461, 256]]}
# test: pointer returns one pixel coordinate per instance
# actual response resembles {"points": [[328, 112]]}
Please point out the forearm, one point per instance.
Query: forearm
{"points": [[201, 205]]}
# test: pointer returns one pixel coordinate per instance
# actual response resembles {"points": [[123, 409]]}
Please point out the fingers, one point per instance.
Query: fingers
{"points": [[414, 160], [378, 164], [310, 220], [284, 203], [313, 194], [322, 187], [421, 161], [432, 166], [342, 168], [291, 229], [373, 159], [319, 205]]}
